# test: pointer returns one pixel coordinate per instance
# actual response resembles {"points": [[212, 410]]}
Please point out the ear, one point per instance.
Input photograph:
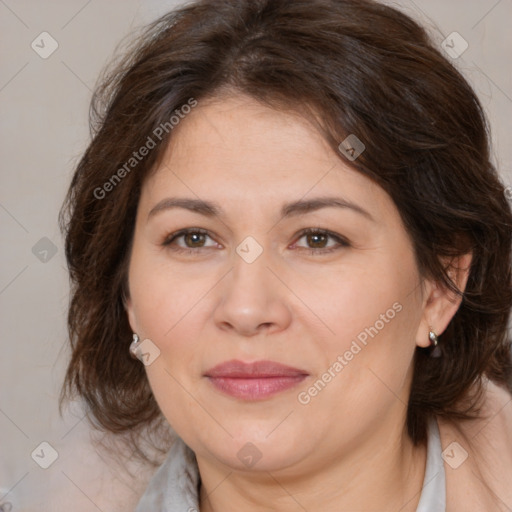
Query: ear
{"points": [[128, 306], [440, 303]]}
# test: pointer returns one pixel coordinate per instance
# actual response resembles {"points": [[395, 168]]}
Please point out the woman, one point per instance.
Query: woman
{"points": [[288, 217]]}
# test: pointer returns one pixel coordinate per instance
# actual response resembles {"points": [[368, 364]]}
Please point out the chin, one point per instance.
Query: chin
{"points": [[254, 449]]}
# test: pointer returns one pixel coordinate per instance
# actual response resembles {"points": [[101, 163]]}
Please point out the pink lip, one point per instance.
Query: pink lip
{"points": [[254, 381]]}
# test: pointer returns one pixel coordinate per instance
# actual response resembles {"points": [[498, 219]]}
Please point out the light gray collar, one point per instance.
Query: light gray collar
{"points": [[174, 486], [433, 494]]}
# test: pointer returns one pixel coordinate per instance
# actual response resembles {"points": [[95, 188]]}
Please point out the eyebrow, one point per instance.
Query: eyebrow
{"points": [[301, 207]]}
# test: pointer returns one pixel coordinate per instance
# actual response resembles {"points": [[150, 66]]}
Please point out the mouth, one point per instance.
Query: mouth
{"points": [[254, 381]]}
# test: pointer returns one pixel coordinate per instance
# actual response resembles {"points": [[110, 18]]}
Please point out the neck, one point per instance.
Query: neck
{"points": [[383, 474]]}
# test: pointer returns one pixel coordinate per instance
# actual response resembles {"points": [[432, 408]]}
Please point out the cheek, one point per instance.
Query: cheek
{"points": [[362, 303], [164, 305], [162, 297], [166, 317], [367, 372], [169, 320], [373, 316]]}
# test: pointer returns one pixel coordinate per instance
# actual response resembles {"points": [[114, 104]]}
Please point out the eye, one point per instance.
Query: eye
{"points": [[193, 238], [317, 239]]}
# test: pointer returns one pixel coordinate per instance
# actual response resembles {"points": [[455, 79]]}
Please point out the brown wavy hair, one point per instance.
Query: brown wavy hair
{"points": [[355, 66]]}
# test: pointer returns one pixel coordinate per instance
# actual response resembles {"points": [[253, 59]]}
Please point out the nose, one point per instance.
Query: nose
{"points": [[252, 299]]}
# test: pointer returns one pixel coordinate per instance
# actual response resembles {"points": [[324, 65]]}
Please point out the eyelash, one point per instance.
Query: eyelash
{"points": [[308, 231]]}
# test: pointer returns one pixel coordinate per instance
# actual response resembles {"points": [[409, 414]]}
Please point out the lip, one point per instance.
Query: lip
{"points": [[254, 381]]}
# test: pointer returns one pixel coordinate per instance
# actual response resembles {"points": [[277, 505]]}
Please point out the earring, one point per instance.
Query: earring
{"points": [[434, 344], [135, 347]]}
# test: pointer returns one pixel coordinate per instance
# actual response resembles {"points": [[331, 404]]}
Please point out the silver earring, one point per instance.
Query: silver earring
{"points": [[434, 344], [135, 347]]}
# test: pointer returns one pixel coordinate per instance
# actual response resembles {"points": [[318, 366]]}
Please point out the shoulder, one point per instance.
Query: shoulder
{"points": [[478, 455]]}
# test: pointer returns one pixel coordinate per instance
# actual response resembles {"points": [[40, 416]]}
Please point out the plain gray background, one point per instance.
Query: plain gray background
{"points": [[43, 115]]}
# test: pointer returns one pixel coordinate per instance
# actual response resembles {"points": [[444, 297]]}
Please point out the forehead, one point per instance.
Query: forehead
{"points": [[238, 151], [241, 136]]}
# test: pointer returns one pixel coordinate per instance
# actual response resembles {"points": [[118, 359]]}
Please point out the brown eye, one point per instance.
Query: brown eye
{"points": [[317, 241], [192, 238]]}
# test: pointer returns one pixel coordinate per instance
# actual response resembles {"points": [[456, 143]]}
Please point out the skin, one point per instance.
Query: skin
{"points": [[347, 449]]}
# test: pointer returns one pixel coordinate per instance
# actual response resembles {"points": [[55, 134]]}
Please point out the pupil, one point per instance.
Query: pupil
{"points": [[193, 238], [317, 239]]}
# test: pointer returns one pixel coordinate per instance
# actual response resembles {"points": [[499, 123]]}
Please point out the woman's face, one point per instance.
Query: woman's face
{"points": [[343, 310]]}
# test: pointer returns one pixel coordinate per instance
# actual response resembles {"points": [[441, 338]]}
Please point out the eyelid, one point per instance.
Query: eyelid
{"points": [[182, 232], [341, 241]]}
